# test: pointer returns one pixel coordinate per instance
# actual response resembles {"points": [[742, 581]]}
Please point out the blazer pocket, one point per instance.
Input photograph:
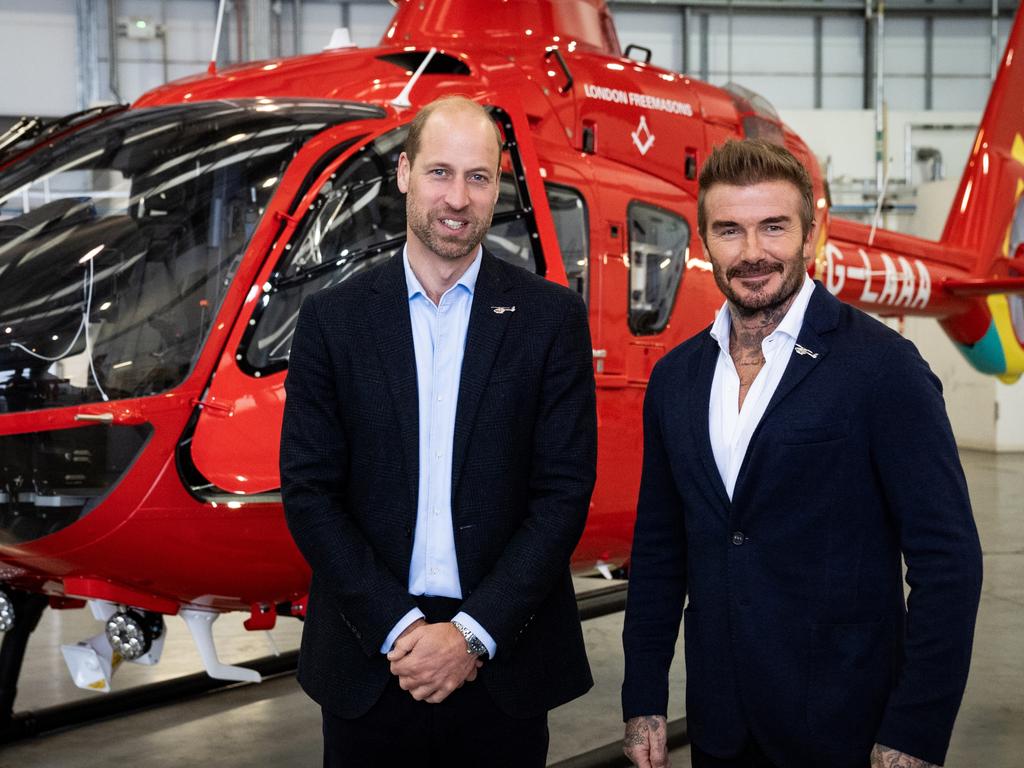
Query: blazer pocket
{"points": [[809, 434]]}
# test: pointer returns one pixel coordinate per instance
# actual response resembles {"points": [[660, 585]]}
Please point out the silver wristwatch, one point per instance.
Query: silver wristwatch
{"points": [[474, 645]]}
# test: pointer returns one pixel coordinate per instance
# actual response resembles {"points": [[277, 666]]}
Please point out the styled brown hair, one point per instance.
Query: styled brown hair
{"points": [[751, 161], [412, 141]]}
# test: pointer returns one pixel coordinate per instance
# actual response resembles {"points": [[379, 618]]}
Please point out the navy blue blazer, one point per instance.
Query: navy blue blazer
{"points": [[796, 631], [523, 468]]}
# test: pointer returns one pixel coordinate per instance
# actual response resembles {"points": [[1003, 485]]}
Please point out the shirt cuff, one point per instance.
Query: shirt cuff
{"points": [[403, 623], [470, 623]]}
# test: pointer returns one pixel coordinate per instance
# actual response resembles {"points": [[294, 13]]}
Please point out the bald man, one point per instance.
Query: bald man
{"points": [[437, 459]]}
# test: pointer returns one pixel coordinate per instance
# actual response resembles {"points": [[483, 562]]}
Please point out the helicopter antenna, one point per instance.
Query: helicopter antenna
{"points": [[212, 68], [402, 99]]}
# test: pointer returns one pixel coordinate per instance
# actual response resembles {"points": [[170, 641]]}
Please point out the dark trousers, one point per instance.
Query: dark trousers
{"points": [[750, 757], [466, 729]]}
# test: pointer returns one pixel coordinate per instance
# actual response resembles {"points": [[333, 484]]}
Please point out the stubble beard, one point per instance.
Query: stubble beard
{"points": [[454, 249], [760, 301]]}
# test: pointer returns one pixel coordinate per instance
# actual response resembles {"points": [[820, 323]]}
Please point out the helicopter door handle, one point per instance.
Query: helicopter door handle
{"points": [[565, 68], [101, 418], [216, 407]]}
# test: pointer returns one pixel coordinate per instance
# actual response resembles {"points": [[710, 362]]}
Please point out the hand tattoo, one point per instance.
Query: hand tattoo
{"points": [[638, 729], [885, 757]]}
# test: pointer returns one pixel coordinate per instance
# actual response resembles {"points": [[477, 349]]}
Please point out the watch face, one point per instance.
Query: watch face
{"points": [[474, 645]]}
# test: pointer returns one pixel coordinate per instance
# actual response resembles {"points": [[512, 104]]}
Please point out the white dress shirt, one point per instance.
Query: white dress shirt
{"points": [[730, 426], [439, 338]]}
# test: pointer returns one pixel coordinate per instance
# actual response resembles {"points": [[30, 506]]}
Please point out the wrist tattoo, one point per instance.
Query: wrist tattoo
{"points": [[885, 757]]}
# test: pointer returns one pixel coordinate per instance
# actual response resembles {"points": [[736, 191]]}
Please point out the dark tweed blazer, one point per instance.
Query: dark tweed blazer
{"points": [[796, 632], [523, 469]]}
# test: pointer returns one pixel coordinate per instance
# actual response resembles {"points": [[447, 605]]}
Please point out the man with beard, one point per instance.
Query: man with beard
{"points": [[793, 453], [437, 459]]}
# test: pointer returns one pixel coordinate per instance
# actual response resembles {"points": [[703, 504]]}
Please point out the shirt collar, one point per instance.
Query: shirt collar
{"points": [[467, 281], [790, 324]]}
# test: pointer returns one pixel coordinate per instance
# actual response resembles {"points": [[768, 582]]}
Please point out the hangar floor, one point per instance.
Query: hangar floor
{"points": [[274, 724]]}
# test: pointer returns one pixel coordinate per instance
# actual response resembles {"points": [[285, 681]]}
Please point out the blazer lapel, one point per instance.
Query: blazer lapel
{"points": [[699, 414], [393, 330], [483, 339], [822, 316]]}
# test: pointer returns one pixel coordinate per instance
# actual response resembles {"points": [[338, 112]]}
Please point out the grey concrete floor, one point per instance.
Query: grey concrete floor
{"points": [[274, 724]]}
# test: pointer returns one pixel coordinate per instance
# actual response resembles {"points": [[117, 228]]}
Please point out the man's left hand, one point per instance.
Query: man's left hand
{"points": [[885, 757], [431, 661]]}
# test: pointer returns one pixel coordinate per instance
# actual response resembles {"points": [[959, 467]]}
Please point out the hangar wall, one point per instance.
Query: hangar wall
{"points": [[811, 67]]}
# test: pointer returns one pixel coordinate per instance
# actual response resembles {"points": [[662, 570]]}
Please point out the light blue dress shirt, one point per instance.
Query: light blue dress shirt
{"points": [[439, 339]]}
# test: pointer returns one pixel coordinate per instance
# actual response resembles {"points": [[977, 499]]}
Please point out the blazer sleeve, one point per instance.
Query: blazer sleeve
{"points": [[562, 476], [657, 574], [314, 471], [916, 459]]}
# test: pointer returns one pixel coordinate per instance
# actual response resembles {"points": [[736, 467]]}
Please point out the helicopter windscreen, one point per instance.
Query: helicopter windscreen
{"points": [[118, 243]]}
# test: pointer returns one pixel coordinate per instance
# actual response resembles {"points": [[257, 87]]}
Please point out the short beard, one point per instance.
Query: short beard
{"points": [[448, 250], [761, 301]]}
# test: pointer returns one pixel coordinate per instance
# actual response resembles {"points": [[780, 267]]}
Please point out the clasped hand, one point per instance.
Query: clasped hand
{"points": [[430, 661]]}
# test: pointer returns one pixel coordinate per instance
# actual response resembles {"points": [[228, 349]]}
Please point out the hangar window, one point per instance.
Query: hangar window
{"points": [[658, 243], [570, 214]]}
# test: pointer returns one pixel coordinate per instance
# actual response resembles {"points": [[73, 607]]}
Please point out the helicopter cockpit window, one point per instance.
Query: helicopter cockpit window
{"points": [[357, 222], [118, 243], [658, 243], [569, 212]]}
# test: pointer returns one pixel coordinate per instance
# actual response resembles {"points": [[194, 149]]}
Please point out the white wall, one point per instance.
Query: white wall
{"points": [[38, 57]]}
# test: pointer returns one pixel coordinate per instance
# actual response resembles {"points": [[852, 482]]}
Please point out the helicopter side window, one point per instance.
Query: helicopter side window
{"points": [[658, 241], [357, 222], [569, 212]]}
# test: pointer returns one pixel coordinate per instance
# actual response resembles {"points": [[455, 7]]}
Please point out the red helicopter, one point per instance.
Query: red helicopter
{"points": [[153, 259]]}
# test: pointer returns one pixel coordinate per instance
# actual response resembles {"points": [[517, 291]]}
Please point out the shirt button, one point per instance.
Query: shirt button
{"points": [[440, 398], [738, 538]]}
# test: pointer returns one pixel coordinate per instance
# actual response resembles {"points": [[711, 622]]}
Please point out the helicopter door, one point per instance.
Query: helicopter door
{"points": [[353, 218]]}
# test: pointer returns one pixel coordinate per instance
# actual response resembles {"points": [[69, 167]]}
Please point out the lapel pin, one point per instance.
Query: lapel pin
{"points": [[503, 310], [802, 350]]}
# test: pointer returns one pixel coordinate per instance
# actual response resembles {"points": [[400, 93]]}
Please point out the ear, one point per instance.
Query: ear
{"points": [[809, 242], [404, 169]]}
